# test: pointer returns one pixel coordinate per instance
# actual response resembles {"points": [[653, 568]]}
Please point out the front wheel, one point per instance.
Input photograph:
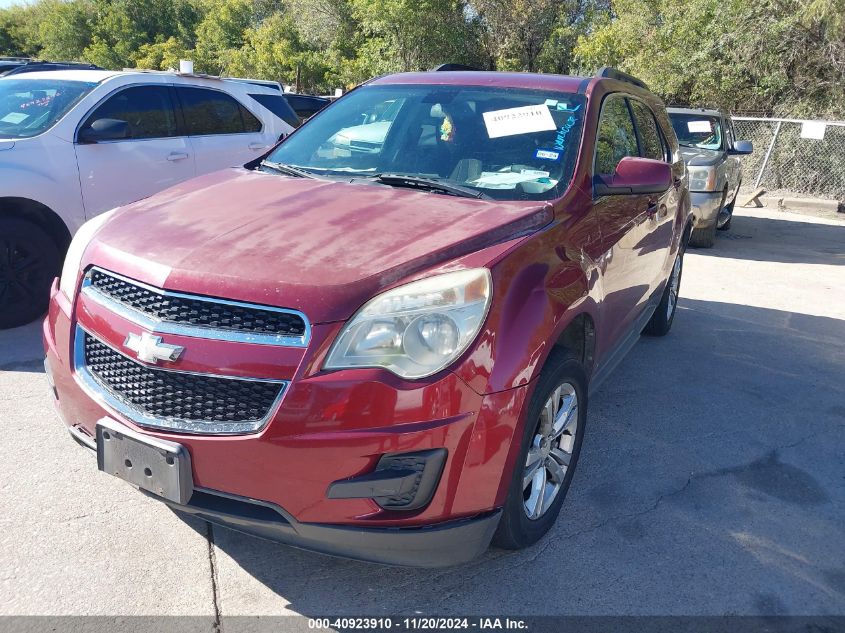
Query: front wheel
{"points": [[29, 260], [725, 223], [551, 443], [661, 321]]}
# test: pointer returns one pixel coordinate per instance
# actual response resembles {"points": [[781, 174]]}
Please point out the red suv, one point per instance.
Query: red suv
{"points": [[378, 341]]}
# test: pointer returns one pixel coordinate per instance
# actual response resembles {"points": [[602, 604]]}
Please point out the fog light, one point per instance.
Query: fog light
{"points": [[401, 481]]}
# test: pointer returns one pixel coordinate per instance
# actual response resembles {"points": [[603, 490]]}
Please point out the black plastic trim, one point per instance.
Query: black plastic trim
{"points": [[438, 545], [391, 479], [609, 72]]}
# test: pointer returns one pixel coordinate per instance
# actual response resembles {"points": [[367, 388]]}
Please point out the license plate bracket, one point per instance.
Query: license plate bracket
{"points": [[150, 463]]}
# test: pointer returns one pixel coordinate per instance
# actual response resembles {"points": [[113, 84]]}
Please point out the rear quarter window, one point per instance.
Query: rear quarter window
{"points": [[278, 106]]}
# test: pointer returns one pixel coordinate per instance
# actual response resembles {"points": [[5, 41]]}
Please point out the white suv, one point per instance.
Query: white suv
{"points": [[75, 143]]}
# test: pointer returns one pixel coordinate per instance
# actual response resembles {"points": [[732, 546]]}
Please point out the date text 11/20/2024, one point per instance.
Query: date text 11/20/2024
{"points": [[418, 624]]}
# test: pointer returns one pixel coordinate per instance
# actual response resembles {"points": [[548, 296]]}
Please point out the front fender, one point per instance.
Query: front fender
{"points": [[45, 174], [537, 292]]}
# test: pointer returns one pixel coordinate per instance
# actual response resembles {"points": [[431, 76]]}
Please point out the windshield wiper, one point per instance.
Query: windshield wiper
{"points": [[428, 184], [287, 170]]}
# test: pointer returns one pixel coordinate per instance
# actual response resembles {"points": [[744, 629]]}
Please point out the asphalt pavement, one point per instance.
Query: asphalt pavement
{"points": [[712, 479]]}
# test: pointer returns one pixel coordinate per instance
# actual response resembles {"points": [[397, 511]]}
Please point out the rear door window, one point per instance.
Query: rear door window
{"points": [[147, 109], [305, 107], [209, 112], [651, 145], [278, 106]]}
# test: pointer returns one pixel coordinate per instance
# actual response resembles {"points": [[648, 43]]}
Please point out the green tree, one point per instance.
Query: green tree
{"points": [[275, 50], [18, 32], [162, 55], [517, 30], [779, 56], [121, 27], [410, 35], [220, 33], [64, 28]]}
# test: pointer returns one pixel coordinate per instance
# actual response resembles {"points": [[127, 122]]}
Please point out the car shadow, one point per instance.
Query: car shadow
{"points": [[787, 241], [21, 348], [710, 482]]}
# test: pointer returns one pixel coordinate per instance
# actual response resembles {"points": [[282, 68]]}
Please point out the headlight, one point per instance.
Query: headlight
{"points": [[702, 178], [73, 258], [417, 329]]}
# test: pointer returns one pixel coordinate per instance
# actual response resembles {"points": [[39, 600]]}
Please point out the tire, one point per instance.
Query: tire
{"points": [[727, 225], [703, 238], [29, 260], [661, 321], [517, 529]]}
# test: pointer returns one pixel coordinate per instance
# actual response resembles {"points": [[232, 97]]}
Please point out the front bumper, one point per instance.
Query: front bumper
{"points": [[705, 207], [330, 427], [441, 545]]}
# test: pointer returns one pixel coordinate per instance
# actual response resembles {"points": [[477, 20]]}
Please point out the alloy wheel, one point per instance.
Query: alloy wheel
{"points": [[21, 273], [551, 451]]}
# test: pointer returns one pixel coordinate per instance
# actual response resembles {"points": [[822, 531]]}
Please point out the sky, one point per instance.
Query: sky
{"points": [[8, 3]]}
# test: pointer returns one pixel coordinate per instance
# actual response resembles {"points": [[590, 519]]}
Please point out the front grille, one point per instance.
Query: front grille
{"points": [[179, 400], [190, 310]]}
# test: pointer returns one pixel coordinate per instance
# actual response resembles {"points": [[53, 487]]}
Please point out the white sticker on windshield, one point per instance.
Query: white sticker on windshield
{"points": [[14, 117], [699, 126], [524, 120]]}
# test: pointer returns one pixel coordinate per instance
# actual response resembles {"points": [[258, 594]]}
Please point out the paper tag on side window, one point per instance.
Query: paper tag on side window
{"points": [[699, 126], [524, 120]]}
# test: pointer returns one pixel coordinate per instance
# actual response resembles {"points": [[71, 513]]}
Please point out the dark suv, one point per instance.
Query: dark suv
{"points": [[380, 354], [18, 65]]}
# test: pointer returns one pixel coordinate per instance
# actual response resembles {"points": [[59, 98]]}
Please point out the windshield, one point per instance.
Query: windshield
{"points": [[697, 130], [30, 106], [505, 143]]}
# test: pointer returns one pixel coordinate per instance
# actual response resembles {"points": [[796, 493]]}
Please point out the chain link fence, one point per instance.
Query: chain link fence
{"points": [[790, 158]]}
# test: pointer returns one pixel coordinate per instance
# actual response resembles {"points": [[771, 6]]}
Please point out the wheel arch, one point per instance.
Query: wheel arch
{"points": [[37, 213], [689, 219], [579, 337]]}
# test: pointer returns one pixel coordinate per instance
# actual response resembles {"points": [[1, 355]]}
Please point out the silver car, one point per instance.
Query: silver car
{"points": [[710, 150]]}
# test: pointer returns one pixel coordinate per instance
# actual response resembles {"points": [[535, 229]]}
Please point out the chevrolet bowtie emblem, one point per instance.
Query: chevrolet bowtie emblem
{"points": [[150, 349]]}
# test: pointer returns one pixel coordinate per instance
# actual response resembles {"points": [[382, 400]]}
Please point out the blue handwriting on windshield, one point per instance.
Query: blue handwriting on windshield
{"points": [[560, 140]]}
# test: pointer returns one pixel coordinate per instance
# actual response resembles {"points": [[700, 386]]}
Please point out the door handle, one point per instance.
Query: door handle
{"points": [[173, 156], [257, 146]]}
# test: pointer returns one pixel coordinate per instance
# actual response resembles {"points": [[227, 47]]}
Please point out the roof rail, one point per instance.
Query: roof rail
{"points": [[612, 73], [445, 67], [172, 72], [266, 83]]}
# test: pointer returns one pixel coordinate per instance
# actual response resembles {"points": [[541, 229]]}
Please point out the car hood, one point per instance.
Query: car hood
{"points": [[317, 246], [700, 157]]}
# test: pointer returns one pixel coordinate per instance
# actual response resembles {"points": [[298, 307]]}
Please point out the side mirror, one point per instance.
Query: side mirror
{"points": [[635, 175], [104, 130], [742, 147]]}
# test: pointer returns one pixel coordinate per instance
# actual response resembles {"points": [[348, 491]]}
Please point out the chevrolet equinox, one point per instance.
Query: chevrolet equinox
{"points": [[378, 340]]}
